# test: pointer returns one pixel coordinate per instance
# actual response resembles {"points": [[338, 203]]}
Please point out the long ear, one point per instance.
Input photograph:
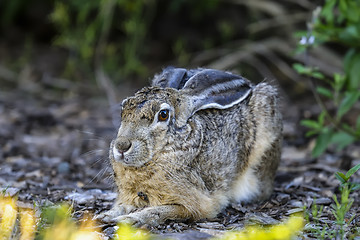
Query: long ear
{"points": [[170, 77], [216, 89], [213, 89]]}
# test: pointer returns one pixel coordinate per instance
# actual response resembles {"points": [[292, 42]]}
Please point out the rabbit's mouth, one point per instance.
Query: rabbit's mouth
{"points": [[132, 156]]}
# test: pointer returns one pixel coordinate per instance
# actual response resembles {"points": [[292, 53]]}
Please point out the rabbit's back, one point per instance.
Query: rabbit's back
{"points": [[265, 145], [242, 149]]}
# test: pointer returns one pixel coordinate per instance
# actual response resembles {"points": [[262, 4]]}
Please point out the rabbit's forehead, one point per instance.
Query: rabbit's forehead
{"points": [[143, 107], [143, 104], [150, 99]]}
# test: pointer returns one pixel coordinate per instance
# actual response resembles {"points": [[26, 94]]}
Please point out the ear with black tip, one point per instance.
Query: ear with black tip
{"points": [[170, 77], [214, 89]]}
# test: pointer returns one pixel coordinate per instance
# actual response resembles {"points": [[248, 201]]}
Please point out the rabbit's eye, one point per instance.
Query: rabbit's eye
{"points": [[163, 115]]}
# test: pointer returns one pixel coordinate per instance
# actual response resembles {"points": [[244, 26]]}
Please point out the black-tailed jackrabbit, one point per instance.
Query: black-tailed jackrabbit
{"points": [[193, 142]]}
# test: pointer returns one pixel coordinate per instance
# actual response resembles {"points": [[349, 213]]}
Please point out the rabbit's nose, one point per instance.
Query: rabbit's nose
{"points": [[123, 145]]}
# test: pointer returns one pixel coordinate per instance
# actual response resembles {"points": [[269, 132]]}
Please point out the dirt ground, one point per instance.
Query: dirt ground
{"points": [[53, 148]]}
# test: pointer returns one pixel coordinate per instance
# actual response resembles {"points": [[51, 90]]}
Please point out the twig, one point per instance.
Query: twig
{"points": [[280, 64], [233, 58], [303, 3], [277, 21], [227, 58], [260, 67], [270, 7]]}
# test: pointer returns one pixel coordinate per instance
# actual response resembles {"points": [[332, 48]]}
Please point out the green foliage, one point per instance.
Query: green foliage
{"points": [[344, 178], [52, 214], [337, 22], [84, 28], [113, 34], [8, 11], [317, 228], [135, 27], [340, 209]]}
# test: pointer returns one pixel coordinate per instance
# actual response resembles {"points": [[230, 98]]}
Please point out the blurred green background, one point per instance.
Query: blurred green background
{"points": [[119, 44]]}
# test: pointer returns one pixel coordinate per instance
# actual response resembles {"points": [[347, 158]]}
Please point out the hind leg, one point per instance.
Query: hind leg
{"points": [[267, 170]]}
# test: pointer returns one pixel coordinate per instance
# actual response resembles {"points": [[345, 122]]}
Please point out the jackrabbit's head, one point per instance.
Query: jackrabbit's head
{"points": [[161, 115]]}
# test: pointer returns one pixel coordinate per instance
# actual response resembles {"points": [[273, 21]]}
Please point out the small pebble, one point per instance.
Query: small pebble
{"points": [[63, 168]]}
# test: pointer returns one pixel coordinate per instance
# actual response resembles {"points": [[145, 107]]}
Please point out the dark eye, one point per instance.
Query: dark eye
{"points": [[163, 115]]}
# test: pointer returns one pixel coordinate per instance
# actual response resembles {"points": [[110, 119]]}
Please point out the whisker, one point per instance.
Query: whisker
{"points": [[99, 160], [95, 136], [92, 152], [110, 178], [94, 139], [89, 133], [99, 175]]}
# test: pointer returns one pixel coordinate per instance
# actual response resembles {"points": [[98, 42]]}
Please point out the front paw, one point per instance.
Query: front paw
{"points": [[147, 217], [108, 216], [131, 219], [113, 214]]}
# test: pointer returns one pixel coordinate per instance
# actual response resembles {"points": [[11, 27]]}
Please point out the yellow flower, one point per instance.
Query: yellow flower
{"points": [[27, 224], [296, 223], [85, 235], [234, 236], [87, 230], [282, 231], [127, 232], [257, 233], [8, 214], [59, 231], [288, 229]]}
